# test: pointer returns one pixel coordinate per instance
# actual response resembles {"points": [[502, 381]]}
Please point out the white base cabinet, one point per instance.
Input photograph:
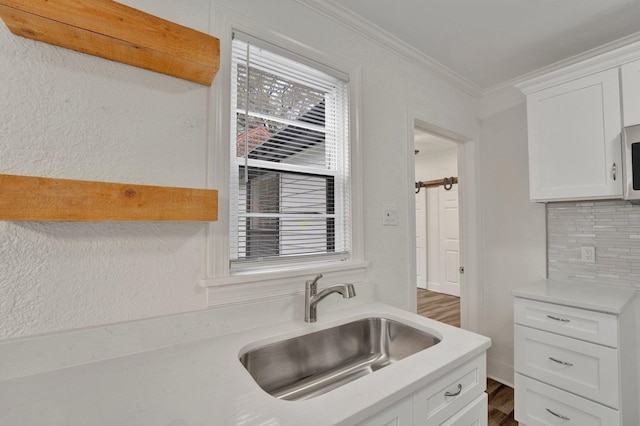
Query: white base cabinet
{"points": [[539, 404], [575, 365], [474, 414], [398, 414], [455, 399]]}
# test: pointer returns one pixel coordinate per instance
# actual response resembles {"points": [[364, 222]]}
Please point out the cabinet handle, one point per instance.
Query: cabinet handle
{"points": [[558, 319], [560, 416], [454, 393], [568, 364], [613, 171]]}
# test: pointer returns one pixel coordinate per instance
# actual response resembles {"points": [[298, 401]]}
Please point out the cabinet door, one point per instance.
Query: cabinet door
{"points": [[399, 414], [474, 414], [538, 404], [631, 93], [446, 396], [574, 139], [583, 368], [582, 324]]}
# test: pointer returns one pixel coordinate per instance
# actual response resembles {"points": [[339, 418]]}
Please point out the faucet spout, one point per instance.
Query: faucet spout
{"points": [[312, 297]]}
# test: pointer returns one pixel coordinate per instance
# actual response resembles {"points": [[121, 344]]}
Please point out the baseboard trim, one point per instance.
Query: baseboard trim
{"points": [[500, 371]]}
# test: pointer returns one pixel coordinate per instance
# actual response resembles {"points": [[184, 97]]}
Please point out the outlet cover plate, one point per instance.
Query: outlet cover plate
{"points": [[588, 254]]}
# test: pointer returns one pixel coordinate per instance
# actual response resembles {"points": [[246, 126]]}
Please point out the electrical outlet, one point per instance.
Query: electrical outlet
{"points": [[588, 254]]}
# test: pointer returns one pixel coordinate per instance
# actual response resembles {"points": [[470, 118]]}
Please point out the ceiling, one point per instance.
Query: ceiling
{"points": [[490, 42], [428, 144]]}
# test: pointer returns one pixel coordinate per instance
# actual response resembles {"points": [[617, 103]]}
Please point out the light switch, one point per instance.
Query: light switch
{"points": [[390, 215]]}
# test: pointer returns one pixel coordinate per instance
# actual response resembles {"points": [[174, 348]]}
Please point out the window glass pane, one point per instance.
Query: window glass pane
{"points": [[278, 142], [285, 214], [275, 96]]}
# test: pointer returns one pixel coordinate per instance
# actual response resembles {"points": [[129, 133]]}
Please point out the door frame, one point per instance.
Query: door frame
{"points": [[471, 283]]}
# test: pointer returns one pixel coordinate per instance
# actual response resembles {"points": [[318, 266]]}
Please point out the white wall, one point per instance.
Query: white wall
{"points": [[513, 234], [69, 115], [437, 166]]}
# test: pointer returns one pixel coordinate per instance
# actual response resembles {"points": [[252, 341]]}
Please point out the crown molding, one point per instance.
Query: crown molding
{"points": [[340, 14], [601, 58]]}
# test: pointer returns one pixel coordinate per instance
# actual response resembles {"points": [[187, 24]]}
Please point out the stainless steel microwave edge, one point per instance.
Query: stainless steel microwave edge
{"points": [[631, 163]]}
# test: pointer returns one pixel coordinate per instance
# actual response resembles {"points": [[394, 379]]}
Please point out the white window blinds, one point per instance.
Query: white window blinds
{"points": [[289, 160]]}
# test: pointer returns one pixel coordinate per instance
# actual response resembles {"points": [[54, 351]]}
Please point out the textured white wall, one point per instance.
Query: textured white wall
{"points": [[68, 115]]}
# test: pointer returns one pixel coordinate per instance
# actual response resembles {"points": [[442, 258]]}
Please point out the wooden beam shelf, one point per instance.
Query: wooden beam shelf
{"points": [[114, 31], [29, 198]]}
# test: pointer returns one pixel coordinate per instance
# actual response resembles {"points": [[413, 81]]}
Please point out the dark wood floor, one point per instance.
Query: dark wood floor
{"points": [[439, 306], [500, 404], [445, 308]]}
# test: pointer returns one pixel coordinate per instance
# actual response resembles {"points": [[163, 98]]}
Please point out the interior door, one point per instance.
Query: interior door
{"points": [[449, 241], [421, 238]]}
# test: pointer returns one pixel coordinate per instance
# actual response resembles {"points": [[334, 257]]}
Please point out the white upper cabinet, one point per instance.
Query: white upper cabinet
{"points": [[574, 139], [575, 118], [631, 93]]}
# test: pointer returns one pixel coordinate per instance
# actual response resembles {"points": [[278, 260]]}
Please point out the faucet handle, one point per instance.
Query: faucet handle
{"points": [[350, 291]]}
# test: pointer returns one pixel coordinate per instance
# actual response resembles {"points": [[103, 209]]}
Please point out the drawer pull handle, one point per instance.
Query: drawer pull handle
{"points": [[558, 319], [568, 364], [560, 416], [454, 393]]}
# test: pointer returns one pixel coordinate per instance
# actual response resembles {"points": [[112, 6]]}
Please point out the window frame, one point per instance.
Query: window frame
{"points": [[223, 288], [310, 76]]}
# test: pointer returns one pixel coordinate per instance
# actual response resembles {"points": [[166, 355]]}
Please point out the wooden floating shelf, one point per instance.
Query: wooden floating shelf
{"points": [[29, 198], [114, 31]]}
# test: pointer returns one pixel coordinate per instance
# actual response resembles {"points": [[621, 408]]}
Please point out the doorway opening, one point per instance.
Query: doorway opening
{"points": [[437, 227]]}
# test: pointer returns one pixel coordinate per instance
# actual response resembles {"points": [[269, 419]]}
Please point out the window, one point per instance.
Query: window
{"points": [[289, 195]]}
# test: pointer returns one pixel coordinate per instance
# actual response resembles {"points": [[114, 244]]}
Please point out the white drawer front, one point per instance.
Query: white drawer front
{"points": [[583, 368], [450, 393], [537, 404], [474, 414], [579, 323]]}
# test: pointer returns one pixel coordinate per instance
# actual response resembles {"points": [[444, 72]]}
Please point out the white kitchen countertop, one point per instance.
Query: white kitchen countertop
{"points": [[578, 294], [203, 383]]}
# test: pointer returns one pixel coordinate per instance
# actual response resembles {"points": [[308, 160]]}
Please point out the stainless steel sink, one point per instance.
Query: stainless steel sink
{"points": [[307, 366]]}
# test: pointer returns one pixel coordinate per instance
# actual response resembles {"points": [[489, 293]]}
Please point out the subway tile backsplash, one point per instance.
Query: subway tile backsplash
{"points": [[612, 227]]}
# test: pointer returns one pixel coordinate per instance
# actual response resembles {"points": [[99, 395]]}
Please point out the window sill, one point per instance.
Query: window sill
{"points": [[277, 284]]}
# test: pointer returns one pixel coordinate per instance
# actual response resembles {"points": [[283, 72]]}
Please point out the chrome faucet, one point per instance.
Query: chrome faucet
{"points": [[312, 297]]}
